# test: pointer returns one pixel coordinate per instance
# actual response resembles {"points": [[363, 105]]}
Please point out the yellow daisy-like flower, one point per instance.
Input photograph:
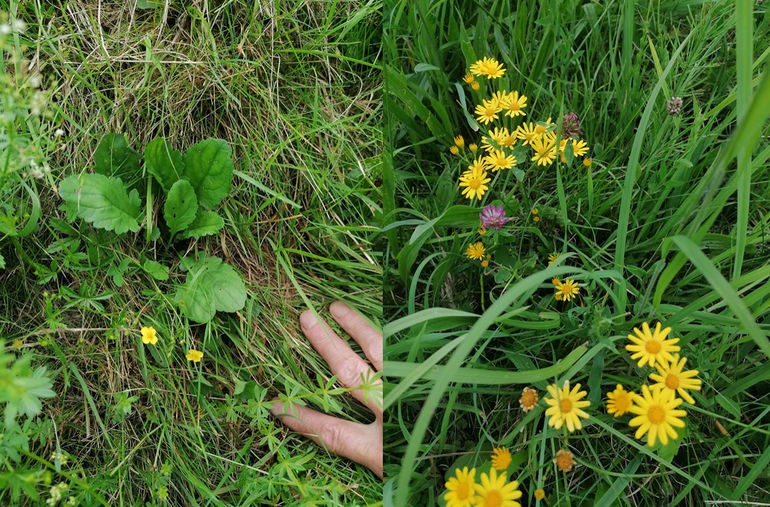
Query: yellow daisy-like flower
{"points": [[475, 251], [149, 335], [461, 488], [486, 112], [459, 141], [657, 414], [454, 150], [565, 407], [566, 290], [671, 377], [493, 491], [526, 132], [509, 141], [587, 161], [482, 231], [194, 355], [474, 183], [477, 165], [579, 148], [564, 460], [552, 257], [619, 401], [501, 458], [514, 103], [17, 344], [539, 494], [484, 263], [475, 86], [543, 127], [529, 399], [497, 135], [468, 78], [498, 99], [497, 160], [545, 151], [488, 67], [652, 347], [473, 147]]}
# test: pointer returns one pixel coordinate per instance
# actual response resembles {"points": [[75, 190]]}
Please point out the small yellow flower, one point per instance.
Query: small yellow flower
{"points": [[482, 231], [587, 161], [461, 488], [501, 458], [567, 290], [543, 127], [484, 263], [565, 407], [535, 219], [495, 491], [468, 78], [149, 335], [526, 132], [671, 377], [474, 182], [498, 99], [652, 347], [552, 257], [475, 251], [564, 460], [194, 355], [513, 104], [17, 344], [619, 401], [497, 135], [486, 112], [535, 211], [454, 150], [539, 494], [488, 67], [528, 399], [498, 160], [545, 150], [459, 141], [657, 414], [579, 148], [475, 86], [473, 147]]}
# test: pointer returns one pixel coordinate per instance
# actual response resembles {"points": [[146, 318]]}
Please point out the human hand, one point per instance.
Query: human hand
{"points": [[361, 443]]}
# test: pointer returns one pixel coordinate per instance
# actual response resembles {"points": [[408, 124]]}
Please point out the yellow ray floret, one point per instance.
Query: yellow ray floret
{"points": [[652, 347], [488, 67], [497, 160], [513, 104], [474, 182], [486, 112], [671, 377], [657, 414], [565, 406], [501, 458], [475, 251]]}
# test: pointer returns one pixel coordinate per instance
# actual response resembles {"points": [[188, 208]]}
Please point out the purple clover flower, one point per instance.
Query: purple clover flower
{"points": [[493, 216]]}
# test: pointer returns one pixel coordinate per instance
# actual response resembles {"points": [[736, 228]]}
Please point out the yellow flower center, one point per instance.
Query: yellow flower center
{"points": [[528, 399], [656, 414], [565, 406], [514, 106], [489, 112], [463, 490], [652, 346], [474, 183], [501, 161], [493, 499], [622, 402], [672, 381]]}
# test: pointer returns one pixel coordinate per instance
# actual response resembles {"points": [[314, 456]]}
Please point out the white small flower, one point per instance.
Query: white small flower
{"points": [[34, 81], [36, 173], [59, 132], [19, 25], [5, 29]]}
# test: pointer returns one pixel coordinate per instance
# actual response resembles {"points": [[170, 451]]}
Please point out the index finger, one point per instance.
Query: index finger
{"points": [[362, 332]]}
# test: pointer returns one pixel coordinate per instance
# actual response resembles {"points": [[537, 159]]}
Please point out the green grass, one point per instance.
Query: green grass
{"points": [[295, 89], [670, 223]]}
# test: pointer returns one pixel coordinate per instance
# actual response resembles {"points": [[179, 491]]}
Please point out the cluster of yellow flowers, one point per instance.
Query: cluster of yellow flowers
{"points": [[656, 409], [492, 490], [150, 337], [499, 141]]}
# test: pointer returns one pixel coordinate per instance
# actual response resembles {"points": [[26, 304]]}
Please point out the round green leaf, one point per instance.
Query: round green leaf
{"points": [[209, 168], [163, 162]]}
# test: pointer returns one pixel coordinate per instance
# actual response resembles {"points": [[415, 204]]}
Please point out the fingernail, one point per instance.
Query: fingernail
{"points": [[339, 309], [307, 320]]}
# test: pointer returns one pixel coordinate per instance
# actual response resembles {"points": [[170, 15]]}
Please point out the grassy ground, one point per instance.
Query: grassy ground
{"points": [[294, 88], [654, 177]]}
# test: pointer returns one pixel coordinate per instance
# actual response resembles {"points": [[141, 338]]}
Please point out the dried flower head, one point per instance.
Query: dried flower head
{"points": [[570, 126], [564, 460], [674, 106], [528, 399]]}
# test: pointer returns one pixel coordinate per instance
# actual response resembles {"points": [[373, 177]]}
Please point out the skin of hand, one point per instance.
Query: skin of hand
{"points": [[361, 443]]}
